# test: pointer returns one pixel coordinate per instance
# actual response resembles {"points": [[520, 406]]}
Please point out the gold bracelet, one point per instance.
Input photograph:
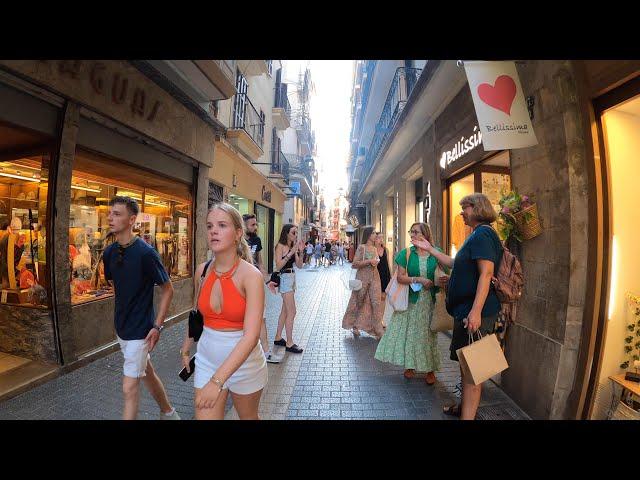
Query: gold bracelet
{"points": [[184, 354]]}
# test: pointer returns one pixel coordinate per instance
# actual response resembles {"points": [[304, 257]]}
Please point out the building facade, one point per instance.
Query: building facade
{"points": [[573, 329], [250, 170], [74, 134]]}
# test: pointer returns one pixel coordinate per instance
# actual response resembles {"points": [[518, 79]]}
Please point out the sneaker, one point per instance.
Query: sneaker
{"points": [[170, 416], [271, 358]]}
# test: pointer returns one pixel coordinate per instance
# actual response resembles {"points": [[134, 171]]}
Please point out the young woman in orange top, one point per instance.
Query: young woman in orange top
{"points": [[231, 300]]}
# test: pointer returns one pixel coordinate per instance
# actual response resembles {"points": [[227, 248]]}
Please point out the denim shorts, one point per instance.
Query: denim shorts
{"points": [[287, 282]]}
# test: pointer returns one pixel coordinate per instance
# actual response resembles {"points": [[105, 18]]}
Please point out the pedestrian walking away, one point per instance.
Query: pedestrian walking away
{"points": [[341, 253], [408, 340], [383, 266], [229, 356], [327, 253], [318, 253], [309, 253], [471, 299], [364, 311], [255, 244], [133, 267], [288, 251]]}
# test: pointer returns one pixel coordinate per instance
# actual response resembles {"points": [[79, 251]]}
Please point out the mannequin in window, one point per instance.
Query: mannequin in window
{"points": [[12, 246]]}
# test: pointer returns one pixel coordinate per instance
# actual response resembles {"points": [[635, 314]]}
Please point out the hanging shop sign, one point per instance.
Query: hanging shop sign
{"points": [[500, 105], [266, 194], [295, 188], [461, 148]]}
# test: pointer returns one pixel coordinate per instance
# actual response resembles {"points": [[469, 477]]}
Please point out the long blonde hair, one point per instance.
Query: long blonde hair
{"points": [[242, 247]]}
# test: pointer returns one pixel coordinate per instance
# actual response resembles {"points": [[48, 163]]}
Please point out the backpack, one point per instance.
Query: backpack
{"points": [[509, 278]]}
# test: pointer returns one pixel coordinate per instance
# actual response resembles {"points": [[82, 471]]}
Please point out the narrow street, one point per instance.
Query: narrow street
{"points": [[335, 378]]}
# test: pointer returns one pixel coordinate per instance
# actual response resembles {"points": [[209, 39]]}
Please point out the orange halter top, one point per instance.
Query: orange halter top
{"points": [[233, 304]]}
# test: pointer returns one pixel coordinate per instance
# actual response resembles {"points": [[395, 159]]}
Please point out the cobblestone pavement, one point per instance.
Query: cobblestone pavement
{"points": [[335, 378]]}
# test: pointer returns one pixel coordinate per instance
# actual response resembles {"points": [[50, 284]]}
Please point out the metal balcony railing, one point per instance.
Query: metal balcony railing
{"points": [[301, 166], [401, 87], [280, 165], [247, 118], [282, 101]]}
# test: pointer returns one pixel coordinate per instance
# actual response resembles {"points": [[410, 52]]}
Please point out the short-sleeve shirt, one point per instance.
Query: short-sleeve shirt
{"points": [[482, 244], [327, 247], [318, 248], [134, 278], [255, 244]]}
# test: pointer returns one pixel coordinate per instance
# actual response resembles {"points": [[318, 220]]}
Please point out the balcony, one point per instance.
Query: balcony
{"points": [[247, 127], [282, 108], [279, 166], [302, 166], [306, 136], [251, 68], [401, 87]]}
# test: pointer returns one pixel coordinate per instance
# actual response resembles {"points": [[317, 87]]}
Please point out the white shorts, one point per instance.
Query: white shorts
{"points": [[214, 347], [136, 356], [287, 282]]}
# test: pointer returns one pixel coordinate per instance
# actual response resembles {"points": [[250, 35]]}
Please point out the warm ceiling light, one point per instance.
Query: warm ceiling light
{"points": [[20, 177], [86, 189], [147, 202]]}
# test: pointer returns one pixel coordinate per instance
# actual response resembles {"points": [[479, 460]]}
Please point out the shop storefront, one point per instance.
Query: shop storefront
{"points": [[73, 135], [247, 189]]}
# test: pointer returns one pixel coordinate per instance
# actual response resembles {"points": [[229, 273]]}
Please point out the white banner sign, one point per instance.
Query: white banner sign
{"points": [[500, 105]]}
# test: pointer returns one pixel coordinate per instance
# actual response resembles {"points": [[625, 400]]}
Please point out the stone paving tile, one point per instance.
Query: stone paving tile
{"points": [[336, 377]]}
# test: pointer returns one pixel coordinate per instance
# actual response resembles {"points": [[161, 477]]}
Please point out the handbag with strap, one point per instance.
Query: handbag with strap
{"points": [[441, 321], [196, 321], [354, 283], [397, 293]]}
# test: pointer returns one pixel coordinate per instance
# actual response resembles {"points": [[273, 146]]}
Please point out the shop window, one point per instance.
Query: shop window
{"points": [[240, 203], [24, 172], [164, 222], [621, 330]]}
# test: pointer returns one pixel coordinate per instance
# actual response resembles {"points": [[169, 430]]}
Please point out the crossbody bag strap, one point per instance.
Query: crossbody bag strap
{"points": [[204, 272]]}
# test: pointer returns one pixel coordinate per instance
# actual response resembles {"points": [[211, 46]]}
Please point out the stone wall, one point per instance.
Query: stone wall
{"points": [[28, 332]]}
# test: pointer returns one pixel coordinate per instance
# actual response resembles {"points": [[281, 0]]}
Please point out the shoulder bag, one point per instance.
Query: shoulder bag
{"points": [[397, 293], [196, 321]]}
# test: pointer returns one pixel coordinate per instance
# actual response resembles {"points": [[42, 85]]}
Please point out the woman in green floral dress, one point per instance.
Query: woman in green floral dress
{"points": [[408, 340]]}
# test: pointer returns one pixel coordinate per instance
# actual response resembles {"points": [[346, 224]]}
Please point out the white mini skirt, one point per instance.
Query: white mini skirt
{"points": [[214, 347]]}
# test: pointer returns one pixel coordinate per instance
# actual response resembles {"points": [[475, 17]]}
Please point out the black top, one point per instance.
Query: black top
{"points": [[327, 247], [290, 262], [383, 270], [255, 244]]}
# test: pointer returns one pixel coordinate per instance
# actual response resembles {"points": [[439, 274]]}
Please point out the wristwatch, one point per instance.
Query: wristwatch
{"points": [[159, 328]]}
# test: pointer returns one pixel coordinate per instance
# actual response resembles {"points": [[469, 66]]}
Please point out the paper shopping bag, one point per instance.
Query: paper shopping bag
{"points": [[441, 321], [482, 359]]}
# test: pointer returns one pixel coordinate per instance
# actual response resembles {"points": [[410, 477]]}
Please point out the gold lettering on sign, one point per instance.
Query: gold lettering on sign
{"points": [[119, 89], [154, 111], [71, 68], [137, 105], [97, 77]]}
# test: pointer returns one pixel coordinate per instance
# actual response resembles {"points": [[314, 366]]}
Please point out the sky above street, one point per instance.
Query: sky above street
{"points": [[330, 118]]}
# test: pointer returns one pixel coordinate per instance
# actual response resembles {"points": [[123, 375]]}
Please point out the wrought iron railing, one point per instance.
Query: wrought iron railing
{"points": [[280, 164], [247, 118], [401, 87], [282, 101], [301, 166]]}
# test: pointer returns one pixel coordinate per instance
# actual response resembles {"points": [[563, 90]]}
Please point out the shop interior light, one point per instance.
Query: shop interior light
{"points": [[20, 177], [86, 189], [614, 278], [147, 202]]}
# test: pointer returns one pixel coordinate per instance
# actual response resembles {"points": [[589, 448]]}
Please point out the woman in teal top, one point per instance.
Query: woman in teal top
{"points": [[408, 340]]}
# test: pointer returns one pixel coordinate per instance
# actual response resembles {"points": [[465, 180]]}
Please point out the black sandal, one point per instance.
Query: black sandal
{"points": [[281, 343], [454, 410], [294, 349]]}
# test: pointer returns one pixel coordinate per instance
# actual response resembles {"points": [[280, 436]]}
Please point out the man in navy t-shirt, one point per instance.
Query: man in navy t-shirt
{"points": [[134, 267]]}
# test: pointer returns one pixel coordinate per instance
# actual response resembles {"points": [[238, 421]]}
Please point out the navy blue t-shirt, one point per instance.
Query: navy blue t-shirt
{"points": [[482, 244], [133, 279]]}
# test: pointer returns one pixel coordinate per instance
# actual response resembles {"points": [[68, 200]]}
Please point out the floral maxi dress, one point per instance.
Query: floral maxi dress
{"points": [[364, 310], [409, 341]]}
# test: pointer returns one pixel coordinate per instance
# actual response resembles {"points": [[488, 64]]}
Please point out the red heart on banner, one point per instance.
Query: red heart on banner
{"points": [[501, 95]]}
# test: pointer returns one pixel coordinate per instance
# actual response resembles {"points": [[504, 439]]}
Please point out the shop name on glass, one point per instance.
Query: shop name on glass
{"points": [[462, 147], [112, 85]]}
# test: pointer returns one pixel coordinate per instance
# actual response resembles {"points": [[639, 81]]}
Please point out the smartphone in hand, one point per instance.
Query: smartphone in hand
{"points": [[184, 375]]}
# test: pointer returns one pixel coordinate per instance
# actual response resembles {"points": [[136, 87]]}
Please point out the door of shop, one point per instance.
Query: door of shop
{"points": [[491, 177]]}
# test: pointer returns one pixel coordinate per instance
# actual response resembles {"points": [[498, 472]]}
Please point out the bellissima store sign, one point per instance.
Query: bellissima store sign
{"points": [[461, 148]]}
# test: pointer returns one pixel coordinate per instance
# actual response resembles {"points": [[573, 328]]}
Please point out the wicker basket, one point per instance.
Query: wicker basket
{"points": [[528, 229]]}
